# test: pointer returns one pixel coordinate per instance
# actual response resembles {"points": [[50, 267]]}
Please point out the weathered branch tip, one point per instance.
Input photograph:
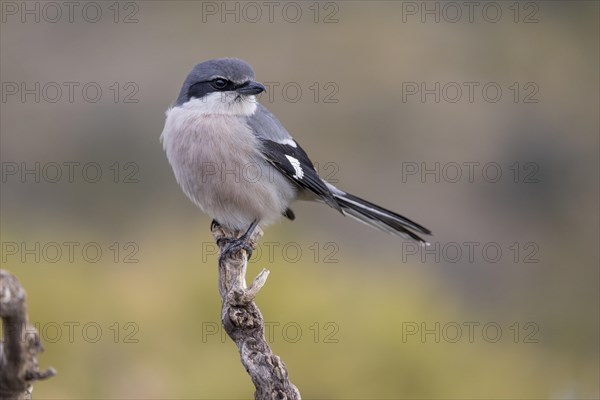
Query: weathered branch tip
{"points": [[18, 350]]}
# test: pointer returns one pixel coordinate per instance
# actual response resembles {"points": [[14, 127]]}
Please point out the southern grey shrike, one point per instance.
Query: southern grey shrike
{"points": [[237, 162]]}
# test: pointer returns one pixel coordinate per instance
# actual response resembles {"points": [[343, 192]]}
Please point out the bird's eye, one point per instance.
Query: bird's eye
{"points": [[220, 83]]}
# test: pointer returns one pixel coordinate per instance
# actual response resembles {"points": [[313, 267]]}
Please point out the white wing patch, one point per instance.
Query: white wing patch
{"points": [[297, 168], [289, 142]]}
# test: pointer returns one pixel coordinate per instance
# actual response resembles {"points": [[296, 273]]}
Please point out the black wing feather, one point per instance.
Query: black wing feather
{"points": [[276, 154]]}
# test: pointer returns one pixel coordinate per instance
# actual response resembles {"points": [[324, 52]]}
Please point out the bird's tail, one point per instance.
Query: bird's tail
{"points": [[378, 217]]}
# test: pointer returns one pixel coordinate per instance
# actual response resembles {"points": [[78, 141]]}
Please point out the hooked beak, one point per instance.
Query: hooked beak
{"points": [[251, 87]]}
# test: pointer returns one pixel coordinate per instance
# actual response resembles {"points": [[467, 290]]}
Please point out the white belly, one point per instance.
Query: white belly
{"points": [[217, 163]]}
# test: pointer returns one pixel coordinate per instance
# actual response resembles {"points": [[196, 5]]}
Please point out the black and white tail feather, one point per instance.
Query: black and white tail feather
{"points": [[378, 217]]}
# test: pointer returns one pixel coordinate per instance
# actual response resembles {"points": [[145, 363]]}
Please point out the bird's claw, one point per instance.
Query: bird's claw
{"points": [[234, 245]]}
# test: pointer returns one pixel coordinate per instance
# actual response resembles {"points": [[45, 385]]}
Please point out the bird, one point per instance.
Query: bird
{"points": [[235, 160]]}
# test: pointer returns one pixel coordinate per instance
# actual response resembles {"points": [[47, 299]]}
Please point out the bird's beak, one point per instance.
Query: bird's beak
{"points": [[251, 88]]}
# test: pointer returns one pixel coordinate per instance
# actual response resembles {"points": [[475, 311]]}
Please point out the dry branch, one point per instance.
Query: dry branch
{"points": [[244, 323], [18, 362]]}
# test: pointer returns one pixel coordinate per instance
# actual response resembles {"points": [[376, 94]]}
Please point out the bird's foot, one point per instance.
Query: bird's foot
{"points": [[234, 245]]}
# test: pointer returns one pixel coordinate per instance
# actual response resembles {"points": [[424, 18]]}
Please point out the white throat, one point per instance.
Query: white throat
{"points": [[223, 103]]}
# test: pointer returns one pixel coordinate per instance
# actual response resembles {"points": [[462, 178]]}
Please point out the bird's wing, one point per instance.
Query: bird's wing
{"points": [[282, 151], [266, 126]]}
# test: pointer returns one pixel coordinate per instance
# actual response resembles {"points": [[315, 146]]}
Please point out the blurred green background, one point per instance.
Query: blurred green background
{"points": [[354, 314]]}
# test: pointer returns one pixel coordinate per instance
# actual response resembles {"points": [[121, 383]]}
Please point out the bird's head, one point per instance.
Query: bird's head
{"points": [[221, 86]]}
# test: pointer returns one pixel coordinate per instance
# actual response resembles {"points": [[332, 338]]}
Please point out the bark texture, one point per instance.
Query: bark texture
{"points": [[20, 345], [244, 323]]}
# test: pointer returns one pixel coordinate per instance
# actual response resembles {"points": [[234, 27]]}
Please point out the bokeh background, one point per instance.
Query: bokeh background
{"points": [[505, 302]]}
